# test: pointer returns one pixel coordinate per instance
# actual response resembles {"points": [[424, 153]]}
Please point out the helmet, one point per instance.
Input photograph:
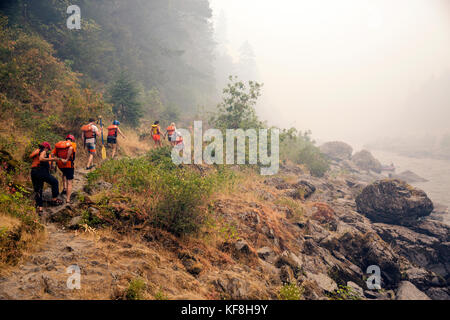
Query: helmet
{"points": [[46, 145], [71, 137], [116, 123]]}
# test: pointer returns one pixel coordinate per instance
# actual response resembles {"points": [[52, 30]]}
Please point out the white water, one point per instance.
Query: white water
{"points": [[437, 172]]}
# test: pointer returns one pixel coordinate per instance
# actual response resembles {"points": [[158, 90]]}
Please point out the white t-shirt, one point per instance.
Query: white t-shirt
{"points": [[96, 131]]}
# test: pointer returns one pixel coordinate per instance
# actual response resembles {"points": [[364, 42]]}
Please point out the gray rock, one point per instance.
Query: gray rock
{"points": [[366, 161], [393, 202], [337, 150], [74, 223], [323, 281], [357, 289], [407, 291], [267, 254]]}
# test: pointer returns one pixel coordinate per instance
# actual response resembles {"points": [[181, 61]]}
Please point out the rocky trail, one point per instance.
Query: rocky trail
{"points": [[45, 273]]}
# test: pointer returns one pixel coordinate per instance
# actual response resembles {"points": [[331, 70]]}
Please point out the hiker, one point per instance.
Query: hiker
{"points": [[40, 173], [156, 134], [113, 130], [89, 134], [170, 132], [65, 150], [179, 140]]}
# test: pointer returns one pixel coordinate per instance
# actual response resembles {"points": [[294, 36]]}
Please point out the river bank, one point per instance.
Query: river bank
{"points": [[437, 172]]}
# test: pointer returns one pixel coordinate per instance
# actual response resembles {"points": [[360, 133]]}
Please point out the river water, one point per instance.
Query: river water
{"points": [[437, 172]]}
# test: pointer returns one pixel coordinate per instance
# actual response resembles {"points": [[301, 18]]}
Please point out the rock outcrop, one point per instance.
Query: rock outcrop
{"points": [[364, 160], [393, 202], [337, 150]]}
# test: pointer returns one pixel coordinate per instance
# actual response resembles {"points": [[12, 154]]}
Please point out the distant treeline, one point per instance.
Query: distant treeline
{"points": [[165, 45]]}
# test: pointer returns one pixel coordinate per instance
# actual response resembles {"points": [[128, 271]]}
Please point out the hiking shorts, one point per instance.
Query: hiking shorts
{"points": [[112, 140], [68, 173], [172, 137], [91, 147], [156, 137]]}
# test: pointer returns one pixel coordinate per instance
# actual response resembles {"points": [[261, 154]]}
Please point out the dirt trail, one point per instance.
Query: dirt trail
{"points": [[43, 274]]}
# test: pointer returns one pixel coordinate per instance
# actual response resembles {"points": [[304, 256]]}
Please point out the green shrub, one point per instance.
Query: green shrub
{"points": [[136, 289], [290, 292], [300, 149], [174, 196], [344, 293]]}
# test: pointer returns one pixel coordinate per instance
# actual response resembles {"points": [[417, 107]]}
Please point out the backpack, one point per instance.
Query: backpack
{"points": [[112, 131], [88, 131], [155, 129], [62, 150]]}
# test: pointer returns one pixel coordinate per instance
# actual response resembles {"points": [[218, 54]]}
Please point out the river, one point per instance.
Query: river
{"points": [[437, 172]]}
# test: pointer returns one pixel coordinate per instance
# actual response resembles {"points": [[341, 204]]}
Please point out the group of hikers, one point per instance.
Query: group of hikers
{"points": [[64, 153], [173, 135]]}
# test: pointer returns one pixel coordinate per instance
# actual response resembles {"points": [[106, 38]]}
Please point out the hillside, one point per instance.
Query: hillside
{"points": [[141, 227]]}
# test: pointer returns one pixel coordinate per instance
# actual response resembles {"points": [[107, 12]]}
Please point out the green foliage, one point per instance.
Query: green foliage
{"points": [[237, 111], [344, 293], [290, 292], [299, 148], [136, 289], [124, 96], [175, 197], [160, 295], [164, 44]]}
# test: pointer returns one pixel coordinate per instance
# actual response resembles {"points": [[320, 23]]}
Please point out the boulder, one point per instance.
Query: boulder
{"points": [[323, 281], [364, 160], [407, 291], [393, 202], [267, 254], [306, 189], [337, 150]]}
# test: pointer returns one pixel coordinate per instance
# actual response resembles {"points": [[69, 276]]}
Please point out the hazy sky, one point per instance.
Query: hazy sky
{"points": [[342, 68]]}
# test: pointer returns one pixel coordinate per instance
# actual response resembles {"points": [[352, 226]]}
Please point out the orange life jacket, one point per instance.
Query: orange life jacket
{"points": [[35, 156], [88, 131], [62, 150], [170, 130], [112, 130]]}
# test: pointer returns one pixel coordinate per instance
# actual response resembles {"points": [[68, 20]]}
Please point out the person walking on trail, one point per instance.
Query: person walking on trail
{"points": [[170, 132], [40, 173], [156, 134], [66, 150], [179, 140], [89, 134], [113, 131]]}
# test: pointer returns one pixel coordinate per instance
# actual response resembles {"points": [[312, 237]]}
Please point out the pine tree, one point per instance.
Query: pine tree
{"points": [[124, 96]]}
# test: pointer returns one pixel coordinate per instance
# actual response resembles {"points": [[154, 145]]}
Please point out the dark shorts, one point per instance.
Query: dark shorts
{"points": [[112, 140], [68, 173]]}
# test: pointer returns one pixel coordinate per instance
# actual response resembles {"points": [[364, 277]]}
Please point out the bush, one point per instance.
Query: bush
{"points": [[136, 289], [174, 197], [290, 292], [300, 149]]}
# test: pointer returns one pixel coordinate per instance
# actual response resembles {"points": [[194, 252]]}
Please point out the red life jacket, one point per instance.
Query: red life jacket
{"points": [[62, 151], [112, 130], [88, 131]]}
